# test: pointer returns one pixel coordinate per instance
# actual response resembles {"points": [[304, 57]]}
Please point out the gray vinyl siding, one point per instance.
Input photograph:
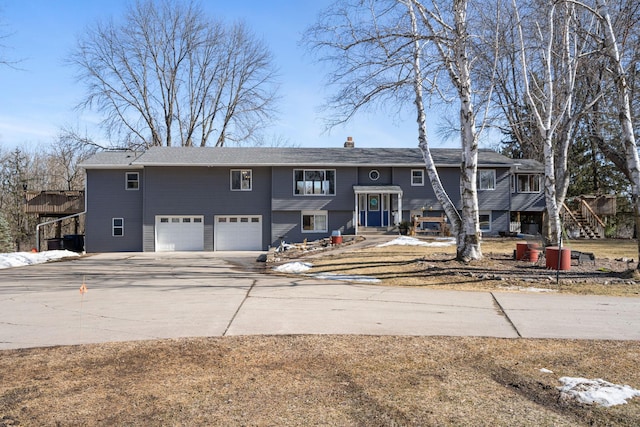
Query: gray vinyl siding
{"points": [[204, 191], [288, 207], [527, 202], [284, 198], [498, 199], [190, 182], [107, 198], [386, 176], [415, 197], [499, 222], [287, 225]]}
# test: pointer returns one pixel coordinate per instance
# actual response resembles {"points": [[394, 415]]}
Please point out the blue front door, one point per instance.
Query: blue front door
{"points": [[374, 211]]}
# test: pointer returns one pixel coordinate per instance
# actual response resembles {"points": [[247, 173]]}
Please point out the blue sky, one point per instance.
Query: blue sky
{"points": [[38, 98]]}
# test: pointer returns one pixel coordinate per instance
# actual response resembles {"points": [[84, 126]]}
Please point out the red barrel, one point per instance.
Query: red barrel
{"points": [[521, 250], [551, 254], [336, 240], [533, 255]]}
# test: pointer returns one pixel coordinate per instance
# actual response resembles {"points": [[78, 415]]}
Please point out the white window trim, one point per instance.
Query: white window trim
{"points": [[372, 173], [335, 183], [314, 213], [241, 171], [126, 181], [113, 227], [492, 171], [421, 183], [490, 220], [519, 190]]}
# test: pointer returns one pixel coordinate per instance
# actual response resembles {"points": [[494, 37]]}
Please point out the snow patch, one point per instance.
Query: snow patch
{"points": [[546, 371], [412, 241], [20, 259], [527, 289], [346, 277], [298, 267], [293, 267], [596, 391]]}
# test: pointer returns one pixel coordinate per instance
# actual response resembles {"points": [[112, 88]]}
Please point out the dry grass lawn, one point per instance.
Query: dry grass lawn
{"points": [[314, 380], [341, 380], [611, 273]]}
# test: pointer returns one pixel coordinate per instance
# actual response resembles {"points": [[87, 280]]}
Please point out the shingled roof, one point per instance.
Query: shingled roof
{"points": [[110, 159], [267, 156]]}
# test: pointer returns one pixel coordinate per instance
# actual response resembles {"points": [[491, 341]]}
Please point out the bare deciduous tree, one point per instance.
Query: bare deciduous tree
{"points": [[170, 75], [611, 50], [550, 54], [390, 53], [65, 155]]}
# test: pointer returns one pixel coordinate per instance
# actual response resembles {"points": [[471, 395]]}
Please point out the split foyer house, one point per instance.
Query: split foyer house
{"points": [[250, 198]]}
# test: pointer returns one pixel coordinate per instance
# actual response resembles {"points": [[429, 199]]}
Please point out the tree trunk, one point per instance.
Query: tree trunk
{"points": [[438, 189], [469, 236], [624, 114], [552, 235]]}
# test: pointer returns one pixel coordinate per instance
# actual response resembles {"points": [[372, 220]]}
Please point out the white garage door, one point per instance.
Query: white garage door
{"points": [[179, 233], [237, 233]]}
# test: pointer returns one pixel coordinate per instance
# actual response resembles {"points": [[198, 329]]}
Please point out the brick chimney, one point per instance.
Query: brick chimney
{"points": [[349, 143]]}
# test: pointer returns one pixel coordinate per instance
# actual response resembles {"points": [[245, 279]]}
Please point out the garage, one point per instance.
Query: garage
{"points": [[237, 233], [179, 233]]}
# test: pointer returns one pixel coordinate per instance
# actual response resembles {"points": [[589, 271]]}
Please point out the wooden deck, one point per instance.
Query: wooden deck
{"points": [[54, 203]]}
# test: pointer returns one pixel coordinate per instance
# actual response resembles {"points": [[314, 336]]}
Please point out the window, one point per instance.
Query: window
{"points": [[417, 177], [132, 180], [117, 227], [487, 179], [314, 221], [374, 175], [374, 202], [314, 182], [528, 183], [241, 179], [485, 221]]}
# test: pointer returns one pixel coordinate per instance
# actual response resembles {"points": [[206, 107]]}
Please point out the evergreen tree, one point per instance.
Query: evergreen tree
{"points": [[6, 241]]}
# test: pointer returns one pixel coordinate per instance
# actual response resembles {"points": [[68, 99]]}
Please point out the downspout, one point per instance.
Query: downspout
{"points": [[54, 221]]}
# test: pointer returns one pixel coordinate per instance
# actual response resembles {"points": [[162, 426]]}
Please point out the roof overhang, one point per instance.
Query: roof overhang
{"points": [[112, 166], [368, 189]]}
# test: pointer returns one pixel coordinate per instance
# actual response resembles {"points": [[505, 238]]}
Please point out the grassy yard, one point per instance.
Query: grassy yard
{"points": [[434, 266], [314, 380]]}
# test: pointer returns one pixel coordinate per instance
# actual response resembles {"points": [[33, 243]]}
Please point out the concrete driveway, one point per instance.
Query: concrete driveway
{"points": [[142, 296]]}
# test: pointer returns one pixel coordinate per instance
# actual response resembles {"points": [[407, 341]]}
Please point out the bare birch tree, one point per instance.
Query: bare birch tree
{"points": [[452, 39], [397, 51], [611, 50], [170, 75], [549, 64]]}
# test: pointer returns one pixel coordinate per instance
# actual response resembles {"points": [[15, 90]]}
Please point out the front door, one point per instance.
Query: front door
{"points": [[374, 211]]}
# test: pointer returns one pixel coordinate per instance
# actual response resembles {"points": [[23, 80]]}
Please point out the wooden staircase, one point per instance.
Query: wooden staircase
{"points": [[583, 221]]}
